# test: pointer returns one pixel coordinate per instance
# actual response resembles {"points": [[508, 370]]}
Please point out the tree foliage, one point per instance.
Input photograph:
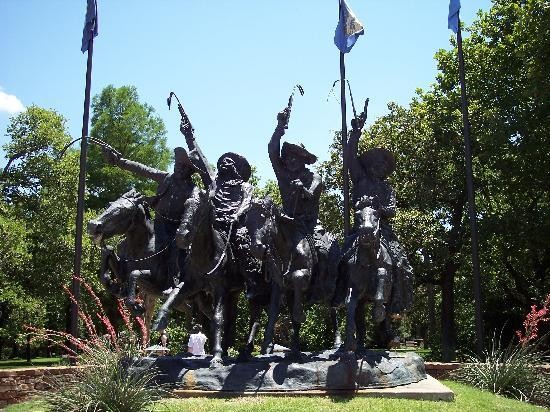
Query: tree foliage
{"points": [[508, 85], [132, 128]]}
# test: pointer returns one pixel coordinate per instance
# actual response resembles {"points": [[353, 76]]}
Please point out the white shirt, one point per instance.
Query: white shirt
{"points": [[196, 343]]}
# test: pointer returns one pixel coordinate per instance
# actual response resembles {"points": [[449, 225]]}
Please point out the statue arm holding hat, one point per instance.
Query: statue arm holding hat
{"points": [[114, 158]]}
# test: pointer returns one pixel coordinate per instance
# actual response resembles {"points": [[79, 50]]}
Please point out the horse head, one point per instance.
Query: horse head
{"points": [[260, 220], [196, 210], [367, 217], [119, 217]]}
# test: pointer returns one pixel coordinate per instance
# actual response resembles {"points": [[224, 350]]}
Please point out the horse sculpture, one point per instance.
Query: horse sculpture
{"points": [[136, 262], [369, 270], [271, 241], [206, 268]]}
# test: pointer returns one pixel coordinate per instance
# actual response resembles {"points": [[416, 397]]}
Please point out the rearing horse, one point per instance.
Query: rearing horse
{"points": [[137, 263], [369, 267]]}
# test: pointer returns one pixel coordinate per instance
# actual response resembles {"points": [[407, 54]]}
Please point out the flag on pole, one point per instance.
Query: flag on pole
{"points": [[454, 8], [90, 24], [349, 28]]}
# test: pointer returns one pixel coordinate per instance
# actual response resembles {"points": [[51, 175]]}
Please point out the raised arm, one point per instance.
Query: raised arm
{"points": [[274, 146], [357, 124], [354, 166], [207, 172], [139, 169]]}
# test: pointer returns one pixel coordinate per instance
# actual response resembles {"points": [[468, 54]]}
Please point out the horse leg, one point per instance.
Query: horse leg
{"points": [[149, 304], [274, 308], [254, 323], [295, 352], [351, 306], [161, 322], [218, 327], [360, 324], [230, 321], [378, 309], [132, 285], [337, 342], [295, 343], [384, 333], [300, 279], [108, 260]]}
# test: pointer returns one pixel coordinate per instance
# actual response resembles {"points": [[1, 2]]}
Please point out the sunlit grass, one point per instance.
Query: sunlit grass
{"points": [[467, 398]]}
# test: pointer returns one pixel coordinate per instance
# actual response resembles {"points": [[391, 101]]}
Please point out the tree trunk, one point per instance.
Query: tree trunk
{"points": [[431, 315], [448, 327], [28, 348], [14, 350], [448, 330]]}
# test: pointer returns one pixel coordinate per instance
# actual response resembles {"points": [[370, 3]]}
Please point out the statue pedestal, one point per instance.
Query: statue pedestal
{"points": [[319, 371]]}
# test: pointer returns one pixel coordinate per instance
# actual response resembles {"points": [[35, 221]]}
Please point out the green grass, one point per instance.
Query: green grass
{"points": [[466, 399], [22, 363], [29, 406], [419, 351]]}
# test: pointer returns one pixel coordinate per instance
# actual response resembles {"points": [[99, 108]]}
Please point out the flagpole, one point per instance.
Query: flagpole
{"points": [[471, 199], [345, 176], [75, 287]]}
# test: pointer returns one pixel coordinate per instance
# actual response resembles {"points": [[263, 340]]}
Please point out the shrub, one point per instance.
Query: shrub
{"points": [[513, 370], [106, 381]]}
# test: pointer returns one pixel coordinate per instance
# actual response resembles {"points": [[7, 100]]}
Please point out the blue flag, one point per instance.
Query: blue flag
{"points": [[454, 8], [348, 30], [90, 24]]}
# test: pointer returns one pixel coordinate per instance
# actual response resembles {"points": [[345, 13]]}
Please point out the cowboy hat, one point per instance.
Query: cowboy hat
{"points": [[298, 151], [241, 164]]}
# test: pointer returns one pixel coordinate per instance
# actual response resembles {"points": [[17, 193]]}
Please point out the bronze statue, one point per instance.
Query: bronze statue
{"points": [[172, 192], [293, 238], [136, 261], [374, 245], [213, 228]]}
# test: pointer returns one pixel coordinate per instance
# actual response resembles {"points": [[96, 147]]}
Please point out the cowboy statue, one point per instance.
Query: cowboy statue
{"points": [[172, 191], [369, 172], [230, 192], [300, 190]]}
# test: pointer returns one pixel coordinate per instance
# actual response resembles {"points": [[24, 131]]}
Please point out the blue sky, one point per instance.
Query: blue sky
{"points": [[233, 64]]}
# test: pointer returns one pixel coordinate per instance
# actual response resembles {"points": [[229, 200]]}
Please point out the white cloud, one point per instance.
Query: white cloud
{"points": [[10, 103]]}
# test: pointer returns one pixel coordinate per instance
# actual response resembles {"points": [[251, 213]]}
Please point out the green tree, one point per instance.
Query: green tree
{"points": [[38, 214], [121, 120], [508, 90]]}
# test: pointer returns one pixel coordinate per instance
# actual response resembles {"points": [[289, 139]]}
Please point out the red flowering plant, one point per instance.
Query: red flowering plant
{"points": [[532, 322], [99, 332], [514, 369], [108, 381]]}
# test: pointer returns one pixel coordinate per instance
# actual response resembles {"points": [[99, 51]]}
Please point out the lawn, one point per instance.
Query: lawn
{"points": [[466, 399], [22, 363]]}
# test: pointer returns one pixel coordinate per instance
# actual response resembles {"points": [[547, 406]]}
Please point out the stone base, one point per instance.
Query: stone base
{"points": [[429, 389], [324, 371]]}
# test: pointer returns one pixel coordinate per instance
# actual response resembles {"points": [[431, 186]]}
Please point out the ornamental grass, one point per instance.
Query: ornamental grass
{"points": [[513, 370], [106, 380]]}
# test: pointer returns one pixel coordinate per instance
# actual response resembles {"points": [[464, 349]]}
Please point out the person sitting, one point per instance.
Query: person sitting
{"points": [[196, 341]]}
